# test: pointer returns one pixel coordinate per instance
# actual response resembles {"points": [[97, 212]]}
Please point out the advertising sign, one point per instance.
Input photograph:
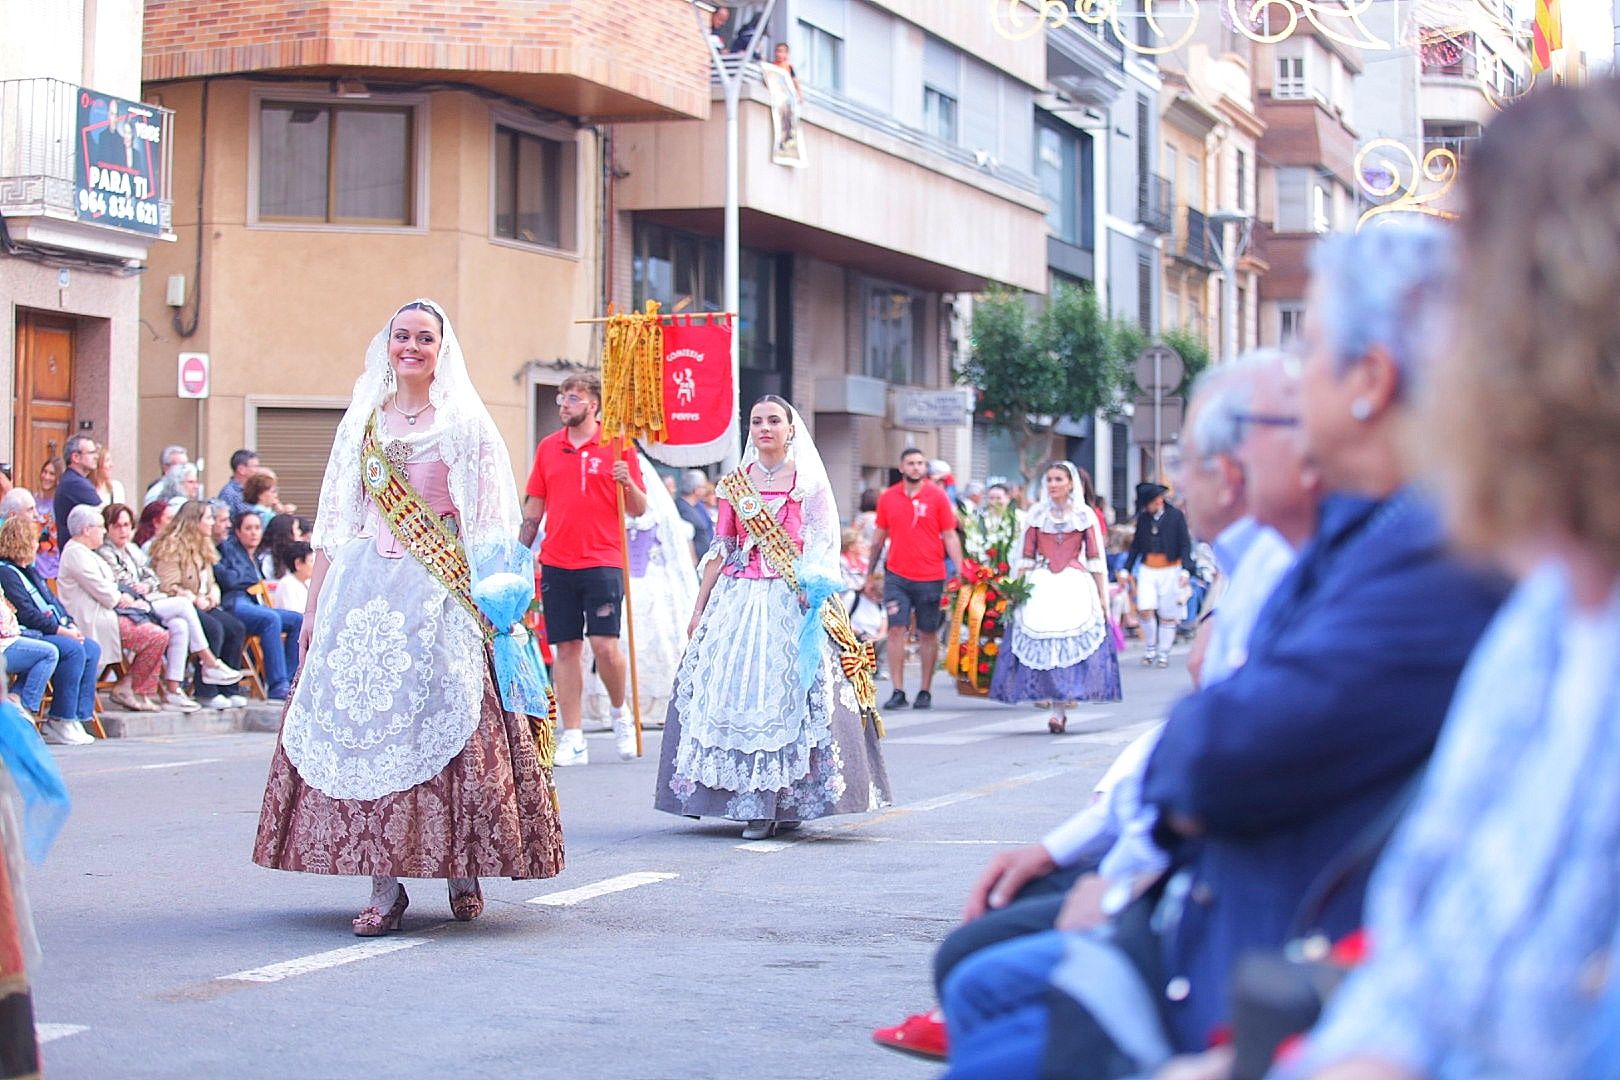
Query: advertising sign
{"points": [[120, 156]]}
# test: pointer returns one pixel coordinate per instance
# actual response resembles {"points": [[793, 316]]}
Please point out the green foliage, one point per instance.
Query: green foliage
{"points": [[1029, 368], [1194, 353]]}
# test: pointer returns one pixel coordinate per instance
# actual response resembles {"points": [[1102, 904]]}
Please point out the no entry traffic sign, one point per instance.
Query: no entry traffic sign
{"points": [[193, 374]]}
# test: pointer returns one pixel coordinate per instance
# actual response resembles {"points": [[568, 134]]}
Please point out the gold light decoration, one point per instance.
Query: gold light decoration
{"points": [[1172, 23], [1416, 186]]}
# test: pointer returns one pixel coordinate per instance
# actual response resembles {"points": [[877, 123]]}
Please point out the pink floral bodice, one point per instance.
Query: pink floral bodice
{"points": [[732, 534], [431, 479]]}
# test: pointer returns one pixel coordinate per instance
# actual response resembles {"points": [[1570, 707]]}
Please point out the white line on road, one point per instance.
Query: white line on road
{"points": [[44, 1033], [570, 897], [179, 764], [304, 965], [765, 847]]}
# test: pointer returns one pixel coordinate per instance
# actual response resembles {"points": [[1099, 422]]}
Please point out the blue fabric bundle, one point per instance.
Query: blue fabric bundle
{"points": [[817, 588], [44, 793], [503, 591]]}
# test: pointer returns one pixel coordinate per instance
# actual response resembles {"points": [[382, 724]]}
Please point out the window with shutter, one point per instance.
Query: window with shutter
{"points": [[296, 442]]}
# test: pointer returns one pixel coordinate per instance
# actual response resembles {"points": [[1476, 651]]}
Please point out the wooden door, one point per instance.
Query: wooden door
{"points": [[43, 412]]}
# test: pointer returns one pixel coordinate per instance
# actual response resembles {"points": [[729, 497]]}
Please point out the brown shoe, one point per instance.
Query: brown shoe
{"points": [[467, 906], [373, 923]]}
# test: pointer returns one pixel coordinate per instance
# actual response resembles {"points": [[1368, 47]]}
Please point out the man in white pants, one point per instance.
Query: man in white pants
{"points": [[1161, 563]]}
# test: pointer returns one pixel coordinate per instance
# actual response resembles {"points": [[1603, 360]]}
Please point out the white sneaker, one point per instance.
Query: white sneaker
{"points": [[572, 751], [76, 733], [176, 700], [55, 733], [218, 674], [238, 701], [218, 701], [624, 737]]}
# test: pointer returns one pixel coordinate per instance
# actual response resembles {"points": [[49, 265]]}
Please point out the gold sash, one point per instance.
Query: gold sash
{"points": [[857, 659]]}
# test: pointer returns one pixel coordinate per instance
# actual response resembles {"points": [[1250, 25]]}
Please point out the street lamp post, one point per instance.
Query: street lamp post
{"points": [[1230, 249], [731, 80]]}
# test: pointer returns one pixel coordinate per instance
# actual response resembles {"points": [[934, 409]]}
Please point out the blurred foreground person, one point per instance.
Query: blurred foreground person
{"points": [[1493, 914]]}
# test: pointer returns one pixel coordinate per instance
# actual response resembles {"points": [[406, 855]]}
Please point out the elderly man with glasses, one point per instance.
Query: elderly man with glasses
{"points": [[75, 487]]}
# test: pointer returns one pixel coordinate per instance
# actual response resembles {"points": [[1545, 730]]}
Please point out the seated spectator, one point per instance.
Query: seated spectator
{"points": [[43, 618], [259, 495], [170, 457], [30, 659], [50, 549], [279, 531], [865, 604], [187, 637], [220, 516], [154, 516], [244, 463], [277, 630], [181, 483], [292, 587], [1260, 781], [183, 557], [110, 490], [1492, 917], [119, 624]]}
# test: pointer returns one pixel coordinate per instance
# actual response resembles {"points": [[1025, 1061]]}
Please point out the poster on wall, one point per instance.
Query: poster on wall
{"points": [[120, 158], [787, 130]]}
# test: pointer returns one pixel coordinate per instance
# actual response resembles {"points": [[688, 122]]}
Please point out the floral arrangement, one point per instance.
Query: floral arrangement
{"points": [[980, 598]]}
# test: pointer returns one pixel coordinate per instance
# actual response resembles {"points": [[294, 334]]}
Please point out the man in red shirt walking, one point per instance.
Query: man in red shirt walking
{"points": [[916, 518], [574, 488]]}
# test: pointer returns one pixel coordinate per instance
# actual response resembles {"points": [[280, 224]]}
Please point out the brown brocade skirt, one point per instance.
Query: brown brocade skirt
{"points": [[489, 813]]}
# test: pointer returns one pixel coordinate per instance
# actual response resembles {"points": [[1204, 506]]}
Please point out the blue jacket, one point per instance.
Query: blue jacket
{"points": [[36, 619], [1350, 670], [236, 571], [73, 489]]}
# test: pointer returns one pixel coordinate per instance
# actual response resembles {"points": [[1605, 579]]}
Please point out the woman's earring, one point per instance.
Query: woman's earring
{"points": [[388, 378], [1361, 410]]}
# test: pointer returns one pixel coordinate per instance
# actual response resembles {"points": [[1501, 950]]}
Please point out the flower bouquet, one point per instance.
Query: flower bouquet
{"points": [[980, 599]]}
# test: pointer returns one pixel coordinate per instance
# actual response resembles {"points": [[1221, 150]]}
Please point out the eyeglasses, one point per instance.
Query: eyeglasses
{"points": [[572, 399], [1278, 420]]}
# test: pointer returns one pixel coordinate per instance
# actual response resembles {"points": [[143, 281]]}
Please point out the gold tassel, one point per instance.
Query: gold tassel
{"points": [[633, 375]]}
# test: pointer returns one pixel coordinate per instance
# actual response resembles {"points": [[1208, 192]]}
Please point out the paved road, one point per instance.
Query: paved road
{"points": [[669, 948]]}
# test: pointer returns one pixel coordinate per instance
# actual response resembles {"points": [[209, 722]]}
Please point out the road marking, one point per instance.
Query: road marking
{"points": [[1017, 725], [179, 764], [938, 802], [44, 1033], [570, 897], [305, 965], [765, 847]]}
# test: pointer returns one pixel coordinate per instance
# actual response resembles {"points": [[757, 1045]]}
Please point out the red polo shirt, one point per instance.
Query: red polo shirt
{"points": [[583, 526], [916, 524]]}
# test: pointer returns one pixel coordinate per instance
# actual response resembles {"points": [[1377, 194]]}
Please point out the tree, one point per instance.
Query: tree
{"points": [[1031, 368], [1194, 353]]}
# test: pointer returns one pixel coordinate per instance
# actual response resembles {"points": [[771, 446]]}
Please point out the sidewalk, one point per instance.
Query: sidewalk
{"points": [[255, 716]]}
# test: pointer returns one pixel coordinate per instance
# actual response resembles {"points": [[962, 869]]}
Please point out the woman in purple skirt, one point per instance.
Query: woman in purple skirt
{"points": [[1058, 649]]}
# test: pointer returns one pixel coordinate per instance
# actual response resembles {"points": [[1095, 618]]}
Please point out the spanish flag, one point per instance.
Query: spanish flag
{"points": [[1548, 36]]}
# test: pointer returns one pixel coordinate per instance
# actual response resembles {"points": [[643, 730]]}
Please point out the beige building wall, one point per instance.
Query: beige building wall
{"points": [[286, 312]]}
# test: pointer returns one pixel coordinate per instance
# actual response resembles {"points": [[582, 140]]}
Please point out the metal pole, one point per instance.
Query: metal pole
{"points": [[1158, 411], [733, 257], [1229, 312]]}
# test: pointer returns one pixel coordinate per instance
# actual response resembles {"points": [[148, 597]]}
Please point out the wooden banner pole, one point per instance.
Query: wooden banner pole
{"points": [[629, 610]]}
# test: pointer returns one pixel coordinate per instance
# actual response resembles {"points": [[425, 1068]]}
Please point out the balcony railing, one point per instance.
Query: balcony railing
{"points": [[40, 147], [1155, 202], [1197, 246]]}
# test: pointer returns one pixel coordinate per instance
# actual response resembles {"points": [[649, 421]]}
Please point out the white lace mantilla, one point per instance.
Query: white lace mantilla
{"points": [[746, 722], [1061, 624], [393, 684]]}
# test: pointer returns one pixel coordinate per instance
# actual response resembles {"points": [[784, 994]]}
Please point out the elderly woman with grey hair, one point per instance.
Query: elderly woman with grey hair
{"points": [[119, 624]]}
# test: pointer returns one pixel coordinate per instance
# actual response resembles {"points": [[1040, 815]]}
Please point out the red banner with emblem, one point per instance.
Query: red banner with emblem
{"points": [[700, 404]]}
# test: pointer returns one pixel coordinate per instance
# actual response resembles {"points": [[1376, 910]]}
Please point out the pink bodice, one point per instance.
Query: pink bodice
{"points": [[431, 479], [1060, 551], [733, 533]]}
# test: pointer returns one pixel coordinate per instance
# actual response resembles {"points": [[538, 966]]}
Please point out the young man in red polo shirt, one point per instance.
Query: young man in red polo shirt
{"points": [[574, 487], [916, 519]]}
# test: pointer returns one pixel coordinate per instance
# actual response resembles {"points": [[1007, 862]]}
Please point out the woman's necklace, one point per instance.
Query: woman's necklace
{"points": [[410, 417], [770, 471]]}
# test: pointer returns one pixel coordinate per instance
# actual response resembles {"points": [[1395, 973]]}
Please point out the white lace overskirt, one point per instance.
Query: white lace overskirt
{"points": [[392, 684]]}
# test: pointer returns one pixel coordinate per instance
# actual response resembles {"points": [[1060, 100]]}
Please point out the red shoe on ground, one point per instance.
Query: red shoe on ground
{"points": [[922, 1035]]}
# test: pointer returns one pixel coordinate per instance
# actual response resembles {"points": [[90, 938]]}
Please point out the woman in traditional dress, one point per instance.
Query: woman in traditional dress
{"points": [[766, 727], [397, 757], [1058, 647], [663, 588]]}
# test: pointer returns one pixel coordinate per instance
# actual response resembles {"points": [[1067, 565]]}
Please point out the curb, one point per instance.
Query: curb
{"points": [[136, 725]]}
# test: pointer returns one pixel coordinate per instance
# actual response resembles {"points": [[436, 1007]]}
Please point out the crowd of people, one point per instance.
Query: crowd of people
{"points": [[167, 597]]}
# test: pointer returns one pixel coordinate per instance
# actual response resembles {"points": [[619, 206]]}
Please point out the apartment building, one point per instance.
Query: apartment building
{"points": [[337, 159], [918, 188], [84, 205], [1304, 94]]}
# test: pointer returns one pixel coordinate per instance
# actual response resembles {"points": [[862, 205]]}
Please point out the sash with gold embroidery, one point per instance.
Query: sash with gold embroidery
{"points": [[857, 659], [415, 524]]}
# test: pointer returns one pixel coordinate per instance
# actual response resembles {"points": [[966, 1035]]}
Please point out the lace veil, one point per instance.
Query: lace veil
{"points": [[814, 491], [481, 479], [1073, 516]]}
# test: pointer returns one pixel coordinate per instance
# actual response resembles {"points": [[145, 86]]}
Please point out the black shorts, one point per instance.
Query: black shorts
{"points": [[903, 597], [581, 602]]}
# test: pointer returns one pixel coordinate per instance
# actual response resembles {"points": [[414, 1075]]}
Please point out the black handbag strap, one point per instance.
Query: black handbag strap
{"points": [[1357, 858]]}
